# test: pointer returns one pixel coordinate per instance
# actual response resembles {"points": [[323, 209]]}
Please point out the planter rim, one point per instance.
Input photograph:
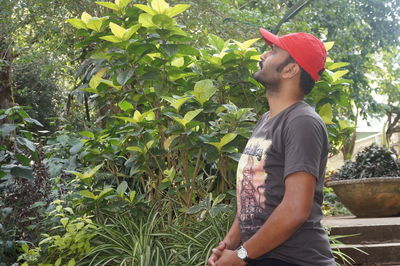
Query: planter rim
{"points": [[383, 179]]}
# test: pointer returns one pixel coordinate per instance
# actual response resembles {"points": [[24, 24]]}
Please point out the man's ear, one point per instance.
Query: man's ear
{"points": [[290, 70]]}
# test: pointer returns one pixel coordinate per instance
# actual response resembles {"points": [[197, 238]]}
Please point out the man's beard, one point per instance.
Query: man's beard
{"points": [[271, 84]]}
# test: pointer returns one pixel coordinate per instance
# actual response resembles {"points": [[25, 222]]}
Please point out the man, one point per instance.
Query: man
{"points": [[281, 172]]}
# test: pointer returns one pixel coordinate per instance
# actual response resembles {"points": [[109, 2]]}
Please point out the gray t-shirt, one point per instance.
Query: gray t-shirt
{"points": [[293, 140]]}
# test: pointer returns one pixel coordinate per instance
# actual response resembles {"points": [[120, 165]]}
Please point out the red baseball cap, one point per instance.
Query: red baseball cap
{"points": [[308, 51]]}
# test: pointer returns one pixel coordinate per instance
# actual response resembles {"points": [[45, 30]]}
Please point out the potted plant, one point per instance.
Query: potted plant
{"points": [[370, 185]]}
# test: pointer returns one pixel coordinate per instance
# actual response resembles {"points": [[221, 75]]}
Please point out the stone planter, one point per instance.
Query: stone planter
{"points": [[369, 197]]}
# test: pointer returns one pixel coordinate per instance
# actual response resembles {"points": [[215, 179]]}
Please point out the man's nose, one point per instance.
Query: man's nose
{"points": [[264, 55]]}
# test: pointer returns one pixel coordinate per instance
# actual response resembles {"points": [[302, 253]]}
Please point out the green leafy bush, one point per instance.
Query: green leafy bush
{"points": [[373, 161]]}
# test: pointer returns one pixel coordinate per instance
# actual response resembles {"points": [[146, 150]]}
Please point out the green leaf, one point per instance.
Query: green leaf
{"points": [[176, 103], [122, 3], [110, 38], [343, 124], [216, 41], [189, 116], [125, 106], [177, 9], [87, 134], [129, 32], [25, 142], [117, 30], [162, 20], [146, 9], [33, 121], [22, 171], [23, 159], [87, 194], [328, 45], [146, 20], [85, 17], [22, 113], [245, 45], [122, 187], [96, 24], [204, 90], [64, 221], [108, 5], [135, 149], [124, 76], [326, 114], [88, 174], [338, 74], [337, 65], [71, 262], [77, 23], [76, 148], [6, 129], [104, 192], [225, 140], [58, 262], [132, 195], [159, 6]]}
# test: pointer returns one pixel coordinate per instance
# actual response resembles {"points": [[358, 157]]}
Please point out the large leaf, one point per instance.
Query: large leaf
{"points": [[124, 76], [225, 140], [85, 17], [173, 11], [111, 38], [326, 113], [338, 74], [122, 187], [96, 24], [129, 32], [77, 23], [189, 116], [176, 103], [146, 20], [204, 90], [27, 143], [159, 6], [22, 171], [328, 45], [117, 30], [146, 9], [88, 174], [122, 3], [108, 5], [162, 20]]}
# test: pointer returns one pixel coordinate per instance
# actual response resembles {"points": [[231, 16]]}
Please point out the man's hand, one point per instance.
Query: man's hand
{"points": [[216, 253], [229, 258]]}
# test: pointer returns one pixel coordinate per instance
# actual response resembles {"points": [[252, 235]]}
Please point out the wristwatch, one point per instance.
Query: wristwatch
{"points": [[242, 254]]}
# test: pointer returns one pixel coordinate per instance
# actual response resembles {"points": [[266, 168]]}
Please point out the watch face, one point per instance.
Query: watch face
{"points": [[242, 253]]}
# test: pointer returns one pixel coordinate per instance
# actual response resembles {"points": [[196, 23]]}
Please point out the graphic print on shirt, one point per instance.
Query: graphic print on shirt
{"points": [[250, 182]]}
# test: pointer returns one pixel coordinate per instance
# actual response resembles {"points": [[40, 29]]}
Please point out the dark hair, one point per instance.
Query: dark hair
{"points": [[306, 81]]}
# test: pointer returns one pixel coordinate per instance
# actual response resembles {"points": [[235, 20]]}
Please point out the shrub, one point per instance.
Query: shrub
{"points": [[373, 161]]}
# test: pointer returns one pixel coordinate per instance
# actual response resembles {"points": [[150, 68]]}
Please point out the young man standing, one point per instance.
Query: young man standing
{"points": [[281, 172]]}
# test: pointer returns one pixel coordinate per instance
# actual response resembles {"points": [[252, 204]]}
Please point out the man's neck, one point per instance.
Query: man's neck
{"points": [[279, 102]]}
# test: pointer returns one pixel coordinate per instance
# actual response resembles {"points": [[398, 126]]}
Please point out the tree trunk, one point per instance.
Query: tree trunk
{"points": [[6, 97], [348, 147]]}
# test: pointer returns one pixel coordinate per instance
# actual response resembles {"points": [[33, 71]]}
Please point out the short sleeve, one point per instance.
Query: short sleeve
{"points": [[303, 140]]}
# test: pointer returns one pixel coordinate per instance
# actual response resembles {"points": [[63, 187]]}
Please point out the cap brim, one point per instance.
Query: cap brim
{"points": [[270, 38]]}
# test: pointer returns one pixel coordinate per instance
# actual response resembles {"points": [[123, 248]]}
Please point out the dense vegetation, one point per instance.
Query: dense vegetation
{"points": [[121, 129]]}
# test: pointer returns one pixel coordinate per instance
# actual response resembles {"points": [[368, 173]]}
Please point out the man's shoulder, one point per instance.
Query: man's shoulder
{"points": [[305, 113]]}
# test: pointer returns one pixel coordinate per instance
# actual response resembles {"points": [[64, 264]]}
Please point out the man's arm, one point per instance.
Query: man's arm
{"points": [[232, 238], [230, 242], [290, 214]]}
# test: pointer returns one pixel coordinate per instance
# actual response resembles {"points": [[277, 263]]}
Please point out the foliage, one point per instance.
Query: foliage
{"points": [[125, 239], [65, 243], [332, 206], [22, 173], [373, 161]]}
